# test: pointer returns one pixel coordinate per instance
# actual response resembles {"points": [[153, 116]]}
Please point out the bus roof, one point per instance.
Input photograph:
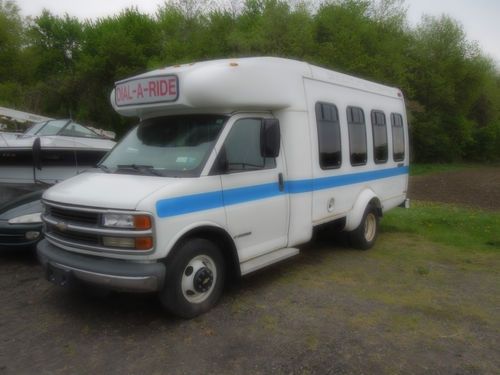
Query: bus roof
{"points": [[255, 83]]}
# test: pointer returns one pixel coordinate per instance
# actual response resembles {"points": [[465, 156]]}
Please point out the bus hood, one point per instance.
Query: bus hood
{"points": [[102, 190]]}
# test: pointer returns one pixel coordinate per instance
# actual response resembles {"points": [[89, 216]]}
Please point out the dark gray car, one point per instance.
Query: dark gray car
{"points": [[20, 224]]}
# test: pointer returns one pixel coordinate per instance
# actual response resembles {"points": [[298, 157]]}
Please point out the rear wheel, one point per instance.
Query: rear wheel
{"points": [[194, 278], [365, 235]]}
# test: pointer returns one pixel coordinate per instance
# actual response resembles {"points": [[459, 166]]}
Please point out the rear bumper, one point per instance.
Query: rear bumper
{"points": [[405, 203], [62, 267]]}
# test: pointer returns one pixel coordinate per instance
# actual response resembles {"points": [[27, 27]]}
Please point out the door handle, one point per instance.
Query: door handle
{"points": [[281, 182]]}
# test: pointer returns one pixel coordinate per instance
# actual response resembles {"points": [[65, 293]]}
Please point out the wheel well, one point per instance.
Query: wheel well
{"points": [[220, 238], [375, 202]]}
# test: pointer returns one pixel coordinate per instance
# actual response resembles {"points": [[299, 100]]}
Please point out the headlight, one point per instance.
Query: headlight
{"points": [[126, 221], [27, 219], [118, 220]]}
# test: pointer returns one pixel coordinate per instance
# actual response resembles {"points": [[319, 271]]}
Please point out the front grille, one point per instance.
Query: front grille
{"points": [[12, 239], [74, 216], [78, 237], [78, 228]]}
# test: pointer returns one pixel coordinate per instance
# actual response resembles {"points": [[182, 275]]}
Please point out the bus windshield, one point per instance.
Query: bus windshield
{"points": [[173, 146]]}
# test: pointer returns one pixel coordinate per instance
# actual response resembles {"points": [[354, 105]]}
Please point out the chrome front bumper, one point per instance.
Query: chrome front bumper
{"points": [[63, 267]]}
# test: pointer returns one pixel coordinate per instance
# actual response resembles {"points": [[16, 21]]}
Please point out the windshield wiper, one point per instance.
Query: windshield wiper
{"points": [[144, 169]]}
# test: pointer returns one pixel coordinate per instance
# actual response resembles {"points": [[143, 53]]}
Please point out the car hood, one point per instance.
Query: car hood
{"points": [[102, 190], [25, 205]]}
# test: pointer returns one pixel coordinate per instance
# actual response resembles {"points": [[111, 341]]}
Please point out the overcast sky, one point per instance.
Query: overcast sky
{"points": [[480, 18]]}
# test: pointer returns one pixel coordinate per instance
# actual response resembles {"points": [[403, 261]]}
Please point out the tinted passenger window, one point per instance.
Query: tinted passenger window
{"points": [[357, 135], [242, 147], [327, 120], [379, 130], [398, 139]]}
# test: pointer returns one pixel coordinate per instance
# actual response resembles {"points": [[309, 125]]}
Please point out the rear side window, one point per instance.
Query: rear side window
{"points": [[398, 139], [379, 130], [327, 120], [357, 135]]}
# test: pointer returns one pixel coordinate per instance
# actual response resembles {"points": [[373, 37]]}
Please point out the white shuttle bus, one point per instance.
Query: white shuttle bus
{"points": [[232, 166]]}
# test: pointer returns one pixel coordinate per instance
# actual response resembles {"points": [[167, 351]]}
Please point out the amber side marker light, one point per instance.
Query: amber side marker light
{"points": [[142, 222], [143, 243]]}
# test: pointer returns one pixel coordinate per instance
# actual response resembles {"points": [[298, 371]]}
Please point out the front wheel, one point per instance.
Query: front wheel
{"points": [[194, 278], [364, 236]]}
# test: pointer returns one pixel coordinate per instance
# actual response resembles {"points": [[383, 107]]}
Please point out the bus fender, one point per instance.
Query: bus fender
{"points": [[365, 198]]}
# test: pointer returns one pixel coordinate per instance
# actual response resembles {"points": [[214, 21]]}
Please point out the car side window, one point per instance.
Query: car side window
{"points": [[242, 147]]}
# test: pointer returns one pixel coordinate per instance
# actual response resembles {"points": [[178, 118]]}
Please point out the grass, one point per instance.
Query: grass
{"points": [[425, 168], [432, 280], [466, 229]]}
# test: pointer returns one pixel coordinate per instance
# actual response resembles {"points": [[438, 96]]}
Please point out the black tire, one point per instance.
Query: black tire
{"points": [[365, 235], [207, 270]]}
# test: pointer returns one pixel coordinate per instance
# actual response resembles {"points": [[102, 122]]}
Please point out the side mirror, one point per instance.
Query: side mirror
{"points": [[37, 154], [270, 138]]}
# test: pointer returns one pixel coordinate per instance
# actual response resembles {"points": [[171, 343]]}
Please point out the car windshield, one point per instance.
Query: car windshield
{"points": [[61, 127], [52, 127], [172, 146], [76, 130], [34, 128]]}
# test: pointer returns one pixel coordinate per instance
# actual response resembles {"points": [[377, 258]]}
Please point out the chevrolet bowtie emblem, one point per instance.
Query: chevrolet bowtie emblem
{"points": [[62, 226]]}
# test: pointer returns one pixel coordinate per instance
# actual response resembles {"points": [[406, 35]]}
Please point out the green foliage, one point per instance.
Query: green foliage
{"points": [[450, 80], [467, 229], [10, 43], [452, 89], [418, 169]]}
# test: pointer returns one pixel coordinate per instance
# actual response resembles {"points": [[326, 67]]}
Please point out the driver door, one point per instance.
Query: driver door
{"points": [[255, 201]]}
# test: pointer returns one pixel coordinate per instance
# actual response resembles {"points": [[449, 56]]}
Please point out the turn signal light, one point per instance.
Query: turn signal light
{"points": [[143, 243]]}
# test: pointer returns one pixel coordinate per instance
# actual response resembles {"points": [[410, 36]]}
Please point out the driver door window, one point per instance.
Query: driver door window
{"points": [[242, 147]]}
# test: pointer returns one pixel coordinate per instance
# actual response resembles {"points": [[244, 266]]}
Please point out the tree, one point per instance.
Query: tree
{"points": [[451, 88], [113, 48], [11, 41], [447, 75]]}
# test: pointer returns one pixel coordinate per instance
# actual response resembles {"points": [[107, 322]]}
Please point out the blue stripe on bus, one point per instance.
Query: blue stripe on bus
{"points": [[217, 199], [189, 203]]}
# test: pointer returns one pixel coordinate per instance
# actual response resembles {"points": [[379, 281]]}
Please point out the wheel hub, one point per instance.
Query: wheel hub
{"points": [[370, 227], [203, 280], [199, 279]]}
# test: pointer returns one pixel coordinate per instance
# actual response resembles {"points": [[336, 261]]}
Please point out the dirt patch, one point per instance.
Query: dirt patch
{"points": [[475, 187]]}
